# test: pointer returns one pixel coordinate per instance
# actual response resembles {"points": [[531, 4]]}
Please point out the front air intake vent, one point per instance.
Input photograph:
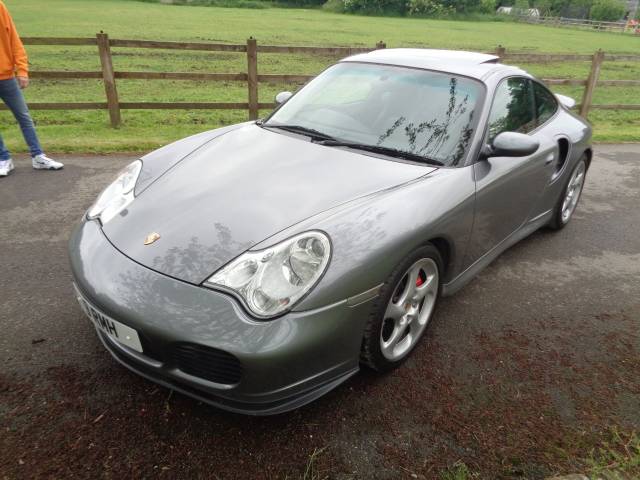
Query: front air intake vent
{"points": [[205, 362]]}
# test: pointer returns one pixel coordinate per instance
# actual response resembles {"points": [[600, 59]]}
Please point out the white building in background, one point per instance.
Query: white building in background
{"points": [[532, 12]]}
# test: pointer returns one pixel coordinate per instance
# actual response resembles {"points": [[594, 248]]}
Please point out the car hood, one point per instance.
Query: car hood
{"points": [[236, 191]]}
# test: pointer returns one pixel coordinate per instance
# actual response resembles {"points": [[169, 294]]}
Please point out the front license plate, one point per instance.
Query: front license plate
{"points": [[114, 329]]}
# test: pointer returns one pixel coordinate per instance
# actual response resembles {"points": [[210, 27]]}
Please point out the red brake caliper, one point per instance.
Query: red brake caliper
{"points": [[419, 281]]}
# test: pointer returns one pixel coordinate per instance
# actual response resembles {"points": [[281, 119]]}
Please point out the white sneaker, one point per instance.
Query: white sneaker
{"points": [[42, 162], [5, 167]]}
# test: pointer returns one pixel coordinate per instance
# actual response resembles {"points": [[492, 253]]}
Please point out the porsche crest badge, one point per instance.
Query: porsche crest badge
{"points": [[152, 237]]}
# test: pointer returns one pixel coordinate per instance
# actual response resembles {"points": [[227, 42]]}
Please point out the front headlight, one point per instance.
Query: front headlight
{"points": [[272, 280], [118, 195]]}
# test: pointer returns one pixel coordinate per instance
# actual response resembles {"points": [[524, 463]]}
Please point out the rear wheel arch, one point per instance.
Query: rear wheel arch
{"points": [[557, 221], [588, 153]]}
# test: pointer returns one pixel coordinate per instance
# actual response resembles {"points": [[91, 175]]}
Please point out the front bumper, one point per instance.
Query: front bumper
{"points": [[286, 362]]}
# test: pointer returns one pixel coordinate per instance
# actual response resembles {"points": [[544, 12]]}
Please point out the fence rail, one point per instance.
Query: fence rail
{"points": [[621, 26], [253, 78]]}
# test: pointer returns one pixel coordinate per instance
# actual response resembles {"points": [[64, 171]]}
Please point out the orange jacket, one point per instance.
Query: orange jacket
{"points": [[13, 57]]}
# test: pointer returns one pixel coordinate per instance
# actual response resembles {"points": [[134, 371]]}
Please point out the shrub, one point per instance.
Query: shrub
{"points": [[543, 6], [300, 3], [521, 7], [335, 6], [571, 8], [606, 10], [376, 6], [428, 8], [488, 6], [218, 3]]}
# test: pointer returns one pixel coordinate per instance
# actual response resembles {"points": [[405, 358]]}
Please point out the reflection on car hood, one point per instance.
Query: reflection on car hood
{"points": [[238, 190]]}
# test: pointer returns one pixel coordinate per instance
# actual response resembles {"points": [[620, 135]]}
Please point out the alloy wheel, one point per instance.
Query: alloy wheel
{"points": [[574, 189], [409, 309]]}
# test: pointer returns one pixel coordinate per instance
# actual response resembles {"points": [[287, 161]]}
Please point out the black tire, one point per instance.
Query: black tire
{"points": [[557, 222], [371, 353]]}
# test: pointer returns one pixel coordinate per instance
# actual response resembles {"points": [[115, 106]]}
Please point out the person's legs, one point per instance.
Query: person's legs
{"points": [[4, 152], [6, 165], [12, 95]]}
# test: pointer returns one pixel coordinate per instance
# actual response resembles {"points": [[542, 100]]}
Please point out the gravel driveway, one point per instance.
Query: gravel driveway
{"points": [[521, 374]]}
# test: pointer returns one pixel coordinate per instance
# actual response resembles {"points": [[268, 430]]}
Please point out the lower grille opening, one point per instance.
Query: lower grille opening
{"points": [[204, 362], [149, 349]]}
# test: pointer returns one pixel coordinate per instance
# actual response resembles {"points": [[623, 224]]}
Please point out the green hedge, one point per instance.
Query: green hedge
{"points": [[607, 10]]}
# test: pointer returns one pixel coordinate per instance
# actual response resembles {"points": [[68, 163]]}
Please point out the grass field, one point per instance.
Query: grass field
{"points": [[88, 131]]}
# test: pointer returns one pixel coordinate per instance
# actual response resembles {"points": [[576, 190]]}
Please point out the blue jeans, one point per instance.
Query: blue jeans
{"points": [[11, 95]]}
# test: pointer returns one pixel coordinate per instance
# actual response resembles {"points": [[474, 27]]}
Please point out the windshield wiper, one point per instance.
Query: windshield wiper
{"points": [[311, 132], [392, 152]]}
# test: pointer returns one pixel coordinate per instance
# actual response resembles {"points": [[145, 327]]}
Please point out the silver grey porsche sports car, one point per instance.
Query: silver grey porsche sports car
{"points": [[258, 266]]}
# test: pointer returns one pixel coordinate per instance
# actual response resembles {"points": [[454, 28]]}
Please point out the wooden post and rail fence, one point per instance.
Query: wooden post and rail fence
{"points": [[628, 27], [253, 78]]}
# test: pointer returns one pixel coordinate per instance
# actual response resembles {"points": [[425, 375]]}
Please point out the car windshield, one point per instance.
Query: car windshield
{"points": [[419, 112]]}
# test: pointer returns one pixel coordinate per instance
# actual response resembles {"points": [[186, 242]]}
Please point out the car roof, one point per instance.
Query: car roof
{"points": [[470, 64]]}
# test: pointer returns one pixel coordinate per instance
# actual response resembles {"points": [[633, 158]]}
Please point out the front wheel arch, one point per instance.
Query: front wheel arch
{"points": [[446, 250], [371, 354]]}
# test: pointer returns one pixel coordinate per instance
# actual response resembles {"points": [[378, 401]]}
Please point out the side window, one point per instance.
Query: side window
{"points": [[546, 103], [512, 109]]}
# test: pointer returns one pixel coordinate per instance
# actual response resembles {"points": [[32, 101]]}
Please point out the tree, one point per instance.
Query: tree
{"points": [[606, 10], [571, 8], [460, 6], [521, 7], [428, 8], [543, 6], [488, 6]]}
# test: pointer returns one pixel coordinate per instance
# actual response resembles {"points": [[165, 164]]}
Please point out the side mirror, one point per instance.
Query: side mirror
{"points": [[283, 97], [511, 144], [566, 101]]}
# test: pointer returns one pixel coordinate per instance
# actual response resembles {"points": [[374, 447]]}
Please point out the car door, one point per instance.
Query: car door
{"points": [[508, 188]]}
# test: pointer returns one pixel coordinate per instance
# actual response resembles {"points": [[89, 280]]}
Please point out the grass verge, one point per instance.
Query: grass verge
{"points": [[89, 131]]}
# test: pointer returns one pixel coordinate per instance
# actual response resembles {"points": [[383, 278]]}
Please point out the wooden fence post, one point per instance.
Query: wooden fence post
{"points": [[252, 77], [109, 78], [381, 45], [500, 52], [592, 81]]}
